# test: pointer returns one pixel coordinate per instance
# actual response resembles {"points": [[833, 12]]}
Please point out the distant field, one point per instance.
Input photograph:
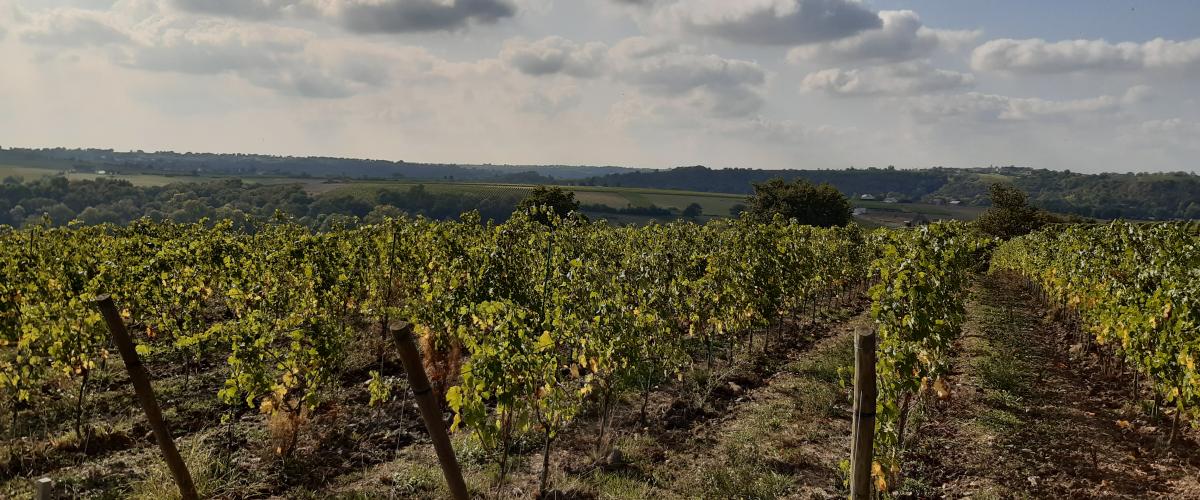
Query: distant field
{"points": [[26, 172], [895, 214], [714, 205]]}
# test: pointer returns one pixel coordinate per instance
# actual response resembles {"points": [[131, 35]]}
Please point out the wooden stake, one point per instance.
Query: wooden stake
{"points": [[430, 412], [45, 488], [862, 453], [145, 394]]}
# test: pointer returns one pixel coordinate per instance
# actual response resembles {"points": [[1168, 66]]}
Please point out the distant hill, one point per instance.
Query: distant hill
{"points": [[1109, 196], [169, 162]]}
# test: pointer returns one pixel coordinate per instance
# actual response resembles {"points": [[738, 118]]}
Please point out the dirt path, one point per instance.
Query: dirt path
{"points": [[1030, 418], [784, 439]]}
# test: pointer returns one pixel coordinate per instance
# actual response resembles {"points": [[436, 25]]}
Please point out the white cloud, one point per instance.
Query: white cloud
{"points": [[908, 78], [72, 28], [991, 107], [244, 9], [785, 131], [1037, 56], [289, 60], [658, 67], [901, 38], [552, 101], [554, 54], [364, 16], [707, 85], [768, 22], [721, 86], [1175, 133]]}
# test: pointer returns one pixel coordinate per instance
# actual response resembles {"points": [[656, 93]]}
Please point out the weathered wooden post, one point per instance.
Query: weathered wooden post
{"points": [[145, 394], [45, 488], [862, 433], [430, 411]]}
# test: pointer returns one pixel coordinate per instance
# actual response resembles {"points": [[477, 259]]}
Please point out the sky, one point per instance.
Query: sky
{"points": [[1085, 85]]}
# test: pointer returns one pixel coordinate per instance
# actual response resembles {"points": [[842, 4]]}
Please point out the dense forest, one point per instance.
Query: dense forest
{"points": [[118, 201]]}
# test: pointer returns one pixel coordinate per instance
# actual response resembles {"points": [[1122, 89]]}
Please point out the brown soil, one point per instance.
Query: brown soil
{"points": [[1031, 417]]}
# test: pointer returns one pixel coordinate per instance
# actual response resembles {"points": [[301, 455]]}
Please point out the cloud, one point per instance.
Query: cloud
{"points": [[73, 28], [400, 16], [993, 108], [1174, 133], [244, 9], [727, 87], [658, 67], [553, 55], [1037, 56], [909, 78], [287, 60], [902, 37], [784, 131], [364, 16], [552, 101], [770, 22]]}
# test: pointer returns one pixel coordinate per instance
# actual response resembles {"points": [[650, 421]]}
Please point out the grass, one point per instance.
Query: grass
{"points": [[213, 473], [755, 454]]}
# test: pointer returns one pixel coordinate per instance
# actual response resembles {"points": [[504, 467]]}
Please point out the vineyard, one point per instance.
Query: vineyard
{"points": [[272, 347]]}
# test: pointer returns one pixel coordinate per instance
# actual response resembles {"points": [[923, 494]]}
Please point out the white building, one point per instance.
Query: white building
{"points": [[867, 197]]}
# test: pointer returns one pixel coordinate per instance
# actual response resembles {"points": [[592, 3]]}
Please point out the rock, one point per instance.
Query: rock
{"points": [[614, 458], [1076, 350]]}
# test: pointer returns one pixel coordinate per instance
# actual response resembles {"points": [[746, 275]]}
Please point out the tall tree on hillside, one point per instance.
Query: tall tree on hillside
{"points": [[818, 205], [559, 201], [1011, 214]]}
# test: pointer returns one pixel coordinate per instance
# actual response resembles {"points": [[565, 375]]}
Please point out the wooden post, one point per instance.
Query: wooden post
{"points": [[430, 412], [862, 432], [145, 394], [45, 488]]}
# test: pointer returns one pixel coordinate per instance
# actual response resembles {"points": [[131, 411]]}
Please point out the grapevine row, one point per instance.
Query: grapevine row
{"points": [[918, 306], [1132, 288]]}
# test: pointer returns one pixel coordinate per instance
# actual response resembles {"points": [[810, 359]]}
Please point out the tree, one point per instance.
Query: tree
{"points": [[736, 210], [1011, 214], [817, 205], [559, 201], [693, 210]]}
